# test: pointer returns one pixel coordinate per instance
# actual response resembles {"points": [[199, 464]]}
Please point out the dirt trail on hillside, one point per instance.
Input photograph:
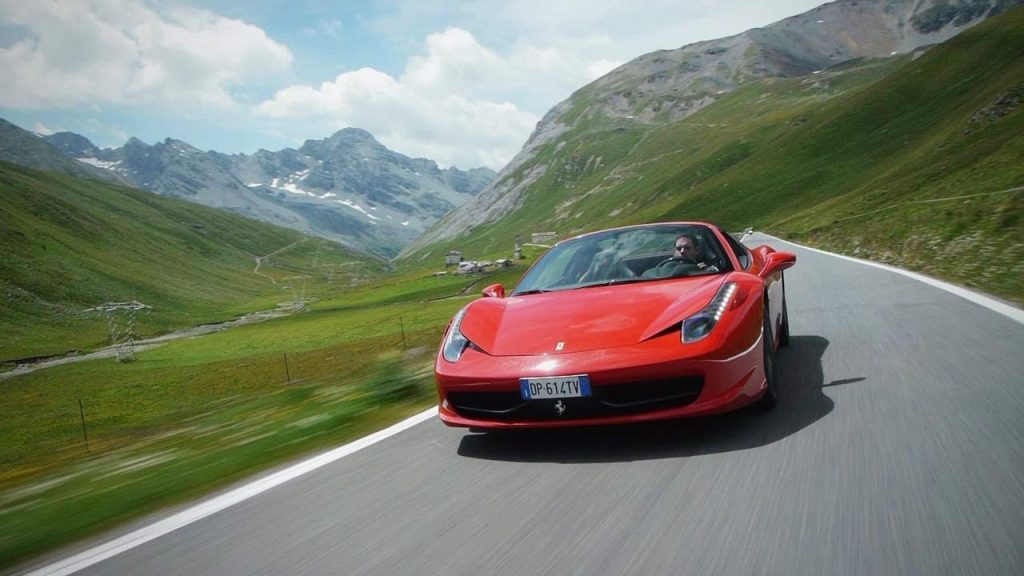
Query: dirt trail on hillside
{"points": [[260, 259], [147, 343]]}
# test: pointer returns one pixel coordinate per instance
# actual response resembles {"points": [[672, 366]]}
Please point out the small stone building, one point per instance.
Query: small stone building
{"points": [[453, 257]]}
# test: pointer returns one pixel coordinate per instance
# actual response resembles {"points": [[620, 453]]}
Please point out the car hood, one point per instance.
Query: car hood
{"points": [[584, 319]]}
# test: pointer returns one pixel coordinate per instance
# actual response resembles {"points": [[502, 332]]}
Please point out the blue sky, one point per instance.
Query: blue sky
{"points": [[462, 83]]}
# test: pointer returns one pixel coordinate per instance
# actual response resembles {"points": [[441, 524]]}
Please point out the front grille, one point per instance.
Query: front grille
{"points": [[485, 402], [629, 398]]}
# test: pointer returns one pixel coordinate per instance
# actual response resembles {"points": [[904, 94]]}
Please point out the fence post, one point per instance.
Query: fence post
{"points": [[287, 373], [81, 412]]}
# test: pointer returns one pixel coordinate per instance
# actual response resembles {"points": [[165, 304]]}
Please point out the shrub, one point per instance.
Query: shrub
{"points": [[393, 380]]}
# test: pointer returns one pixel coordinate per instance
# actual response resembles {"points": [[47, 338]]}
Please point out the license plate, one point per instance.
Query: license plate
{"points": [[554, 387]]}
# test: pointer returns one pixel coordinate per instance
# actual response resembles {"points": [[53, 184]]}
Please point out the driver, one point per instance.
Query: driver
{"points": [[688, 257], [689, 251]]}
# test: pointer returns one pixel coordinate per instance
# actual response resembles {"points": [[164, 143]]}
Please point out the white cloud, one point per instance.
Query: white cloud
{"points": [[415, 119], [452, 103], [122, 51], [40, 128], [102, 134], [445, 106], [536, 75], [454, 61]]}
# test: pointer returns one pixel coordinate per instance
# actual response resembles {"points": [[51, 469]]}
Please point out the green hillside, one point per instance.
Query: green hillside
{"points": [[910, 160], [68, 244]]}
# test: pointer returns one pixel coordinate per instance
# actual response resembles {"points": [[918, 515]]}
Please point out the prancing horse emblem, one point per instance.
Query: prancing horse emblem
{"points": [[559, 407]]}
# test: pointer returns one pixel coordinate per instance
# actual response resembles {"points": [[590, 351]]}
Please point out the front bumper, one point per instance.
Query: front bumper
{"points": [[637, 384]]}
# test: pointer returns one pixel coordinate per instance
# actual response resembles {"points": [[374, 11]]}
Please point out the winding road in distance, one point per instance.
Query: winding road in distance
{"points": [[897, 448]]}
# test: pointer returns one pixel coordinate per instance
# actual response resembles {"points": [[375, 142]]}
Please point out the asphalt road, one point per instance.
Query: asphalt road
{"points": [[897, 448]]}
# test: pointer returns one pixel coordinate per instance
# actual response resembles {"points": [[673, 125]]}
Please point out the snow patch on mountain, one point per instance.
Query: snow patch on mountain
{"points": [[289, 187], [99, 163], [357, 208]]}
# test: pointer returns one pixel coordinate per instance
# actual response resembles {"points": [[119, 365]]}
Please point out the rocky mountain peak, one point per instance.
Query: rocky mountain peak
{"points": [[353, 135], [347, 187], [134, 143], [344, 141], [73, 145]]}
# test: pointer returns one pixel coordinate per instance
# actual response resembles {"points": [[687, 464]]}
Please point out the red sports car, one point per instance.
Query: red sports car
{"points": [[637, 323]]}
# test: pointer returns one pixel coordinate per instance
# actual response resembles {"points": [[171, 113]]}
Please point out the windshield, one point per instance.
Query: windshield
{"points": [[633, 254]]}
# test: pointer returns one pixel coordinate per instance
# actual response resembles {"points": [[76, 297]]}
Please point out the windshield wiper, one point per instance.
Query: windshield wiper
{"points": [[534, 291], [616, 281]]}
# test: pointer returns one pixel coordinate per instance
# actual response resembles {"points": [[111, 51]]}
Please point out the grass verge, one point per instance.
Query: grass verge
{"points": [[195, 415]]}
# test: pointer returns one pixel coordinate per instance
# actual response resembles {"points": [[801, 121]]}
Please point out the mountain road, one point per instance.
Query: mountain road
{"points": [[897, 447]]}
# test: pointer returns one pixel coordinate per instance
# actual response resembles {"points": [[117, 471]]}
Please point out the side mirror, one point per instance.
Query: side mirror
{"points": [[777, 262], [494, 291]]}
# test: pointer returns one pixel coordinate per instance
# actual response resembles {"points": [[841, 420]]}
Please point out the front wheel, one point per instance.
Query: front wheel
{"points": [[771, 397]]}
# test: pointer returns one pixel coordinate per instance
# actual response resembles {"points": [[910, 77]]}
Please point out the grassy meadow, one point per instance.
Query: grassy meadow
{"points": [[69, 244], [196, 414]]}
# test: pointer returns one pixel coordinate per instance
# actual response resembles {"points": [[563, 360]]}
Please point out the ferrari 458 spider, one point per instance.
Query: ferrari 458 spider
{"points": [[637, 323]]}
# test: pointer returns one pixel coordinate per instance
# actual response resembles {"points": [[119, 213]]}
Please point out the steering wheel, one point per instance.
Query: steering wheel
{"points": [[662, 270], [666, 262]]}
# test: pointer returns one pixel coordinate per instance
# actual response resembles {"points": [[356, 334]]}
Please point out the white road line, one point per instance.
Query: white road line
{"points": [[212, 506], [992, 304]]}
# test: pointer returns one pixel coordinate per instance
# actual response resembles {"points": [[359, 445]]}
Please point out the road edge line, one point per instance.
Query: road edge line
{"points": [[216, 504], [992, 304]]}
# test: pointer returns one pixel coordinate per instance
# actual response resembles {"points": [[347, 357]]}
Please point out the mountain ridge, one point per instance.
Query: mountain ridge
{"points": [[666, 86], [347, 187], [25, 148]]}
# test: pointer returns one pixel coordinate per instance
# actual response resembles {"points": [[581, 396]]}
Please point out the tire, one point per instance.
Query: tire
{"points": [[784, 329], [771, 397]]}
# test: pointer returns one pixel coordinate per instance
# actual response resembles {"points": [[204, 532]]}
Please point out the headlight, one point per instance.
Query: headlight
{"points": [[455, 343], [702, 323]]}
